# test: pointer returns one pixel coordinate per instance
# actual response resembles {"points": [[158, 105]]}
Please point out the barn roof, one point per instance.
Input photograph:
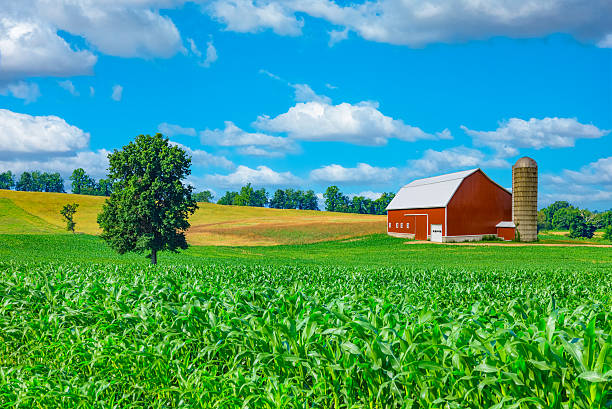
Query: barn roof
{"points": [[425, 193]]}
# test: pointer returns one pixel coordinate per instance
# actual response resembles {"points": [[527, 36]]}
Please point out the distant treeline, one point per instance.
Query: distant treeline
{"points": [[335, 201], [580, 222], [37, 181]]}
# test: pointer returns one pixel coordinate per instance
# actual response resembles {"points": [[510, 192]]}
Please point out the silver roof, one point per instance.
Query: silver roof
{"points": [[505, 224], [430, 192]]}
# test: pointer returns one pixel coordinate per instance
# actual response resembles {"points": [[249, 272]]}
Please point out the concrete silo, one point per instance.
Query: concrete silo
{"points": [[525, 198]]}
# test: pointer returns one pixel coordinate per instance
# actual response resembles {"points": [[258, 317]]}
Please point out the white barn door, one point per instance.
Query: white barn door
{"points": [[436, 233]]}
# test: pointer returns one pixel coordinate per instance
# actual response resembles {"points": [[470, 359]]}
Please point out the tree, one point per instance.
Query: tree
{"points": [[380, 204], [228, 198], [608, 233], [68, 212], [581, 228], [564, 217], [149, 207], [25, 183], [279, 200], [205, 196], [7, 180], [82, 184], [310, 201], [335, 201], [40, 182]]}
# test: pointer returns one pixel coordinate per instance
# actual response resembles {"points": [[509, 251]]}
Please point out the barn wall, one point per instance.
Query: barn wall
{"points": [[477, 207], [417, 225]]}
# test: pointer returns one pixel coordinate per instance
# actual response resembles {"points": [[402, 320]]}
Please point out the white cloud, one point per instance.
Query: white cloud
{"points": [[595, 173], [27, 134], [605, 42], [361, 124], [194, 48], [517, 133], [303, 93], [94, 163], [362, 173], [255, 151], [68, 86], [418, 23], [261, 176], [173, 130], [122, 28], [211, 54], [29, 92], [92, 91], [234, 136], [335, 36], [31, 48], [368, 194], [117, 92], [453, 159], [203, 158], [249, 16]]}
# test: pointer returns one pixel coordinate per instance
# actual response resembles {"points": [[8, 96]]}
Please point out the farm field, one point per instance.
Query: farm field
{"points": [[212, 224], [368, 322]]}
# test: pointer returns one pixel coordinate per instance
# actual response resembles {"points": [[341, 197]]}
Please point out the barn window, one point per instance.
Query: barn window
{"points": [[396, 225], [401, 225], [407, 225], [389, 225]]}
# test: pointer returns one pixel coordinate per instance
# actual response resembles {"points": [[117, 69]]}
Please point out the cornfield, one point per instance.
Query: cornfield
{"points": [[263, 336]]}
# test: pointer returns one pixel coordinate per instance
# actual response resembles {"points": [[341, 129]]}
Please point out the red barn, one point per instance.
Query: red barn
{"points": [[459, 206]]}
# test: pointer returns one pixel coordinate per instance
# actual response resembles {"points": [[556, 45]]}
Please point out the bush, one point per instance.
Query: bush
{"points": [[608, 233], [581, 228]]}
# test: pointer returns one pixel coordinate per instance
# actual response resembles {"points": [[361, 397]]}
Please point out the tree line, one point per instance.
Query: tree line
{"points": [[335, 200], [37, 181], [580, 222]]}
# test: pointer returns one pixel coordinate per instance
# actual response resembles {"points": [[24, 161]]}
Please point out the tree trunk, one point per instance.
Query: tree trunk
{"points": [[153, 257]]}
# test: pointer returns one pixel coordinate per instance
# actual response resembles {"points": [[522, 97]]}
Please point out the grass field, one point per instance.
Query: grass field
{"points": [[362, 321], [211, 224]]}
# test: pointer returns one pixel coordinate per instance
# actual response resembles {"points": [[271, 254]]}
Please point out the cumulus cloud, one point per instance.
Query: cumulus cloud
{"points": [[30, 47], [362, 173], [68, 86], [261, 176], [232, 135], [23, 134], [517, 133], [173, 130], [121, 28], [194, 48], [95, 163], [368, 194], [417, 23], [361, 124], [594, 173], [303, 93], [453, 159], [205, 159], [28, 91], [249, 16], [117, 92]]}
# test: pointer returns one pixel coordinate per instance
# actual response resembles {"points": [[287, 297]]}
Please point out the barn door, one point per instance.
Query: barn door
{"points": [[436, 233], [421, 227]]}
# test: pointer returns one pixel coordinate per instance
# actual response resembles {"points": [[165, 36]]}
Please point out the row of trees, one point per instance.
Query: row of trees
{"points": [[32, 182], [335, 201], [83, 184], [580, 222], [37, 181]]}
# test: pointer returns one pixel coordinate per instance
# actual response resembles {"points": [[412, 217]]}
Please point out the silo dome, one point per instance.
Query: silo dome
{"points": [[525, 198]]}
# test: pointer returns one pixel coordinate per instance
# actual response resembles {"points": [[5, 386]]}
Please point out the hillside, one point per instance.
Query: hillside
{"points": [[212, 224]]}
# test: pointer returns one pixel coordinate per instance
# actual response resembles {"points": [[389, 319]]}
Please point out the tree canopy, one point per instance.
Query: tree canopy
{"points": [[149, 207], [83, 184], [40, 182]]}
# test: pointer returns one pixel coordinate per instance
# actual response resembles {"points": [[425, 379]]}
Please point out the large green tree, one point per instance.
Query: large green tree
{"points": [[149, 206], [7, 180]]}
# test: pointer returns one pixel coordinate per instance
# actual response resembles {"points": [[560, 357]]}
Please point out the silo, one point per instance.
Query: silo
{"points": [[525, 198]]}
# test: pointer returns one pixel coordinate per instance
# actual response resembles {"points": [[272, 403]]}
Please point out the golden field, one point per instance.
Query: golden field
{"points": [[211, 224]]}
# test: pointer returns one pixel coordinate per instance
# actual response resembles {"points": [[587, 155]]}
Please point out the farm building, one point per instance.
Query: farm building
{"points": [[459, 206]]}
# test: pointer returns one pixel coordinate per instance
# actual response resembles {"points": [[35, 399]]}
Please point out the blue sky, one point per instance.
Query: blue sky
{"points": [[366, 96]]}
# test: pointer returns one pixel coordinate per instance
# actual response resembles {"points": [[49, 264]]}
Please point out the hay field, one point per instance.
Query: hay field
{"points": [[212, 224]]}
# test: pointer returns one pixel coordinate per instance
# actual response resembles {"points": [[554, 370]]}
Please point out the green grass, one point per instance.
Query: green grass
{"points": [[15, 220], [368, 323]]}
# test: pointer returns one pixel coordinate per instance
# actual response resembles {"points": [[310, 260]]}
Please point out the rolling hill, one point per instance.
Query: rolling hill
{"points": [[212, 224]]}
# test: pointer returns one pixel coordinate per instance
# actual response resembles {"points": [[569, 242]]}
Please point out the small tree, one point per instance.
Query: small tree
{"points": [[581, 228], [205, 196], [68, 212], [7, 180], [149, 206], [608, 233]]}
